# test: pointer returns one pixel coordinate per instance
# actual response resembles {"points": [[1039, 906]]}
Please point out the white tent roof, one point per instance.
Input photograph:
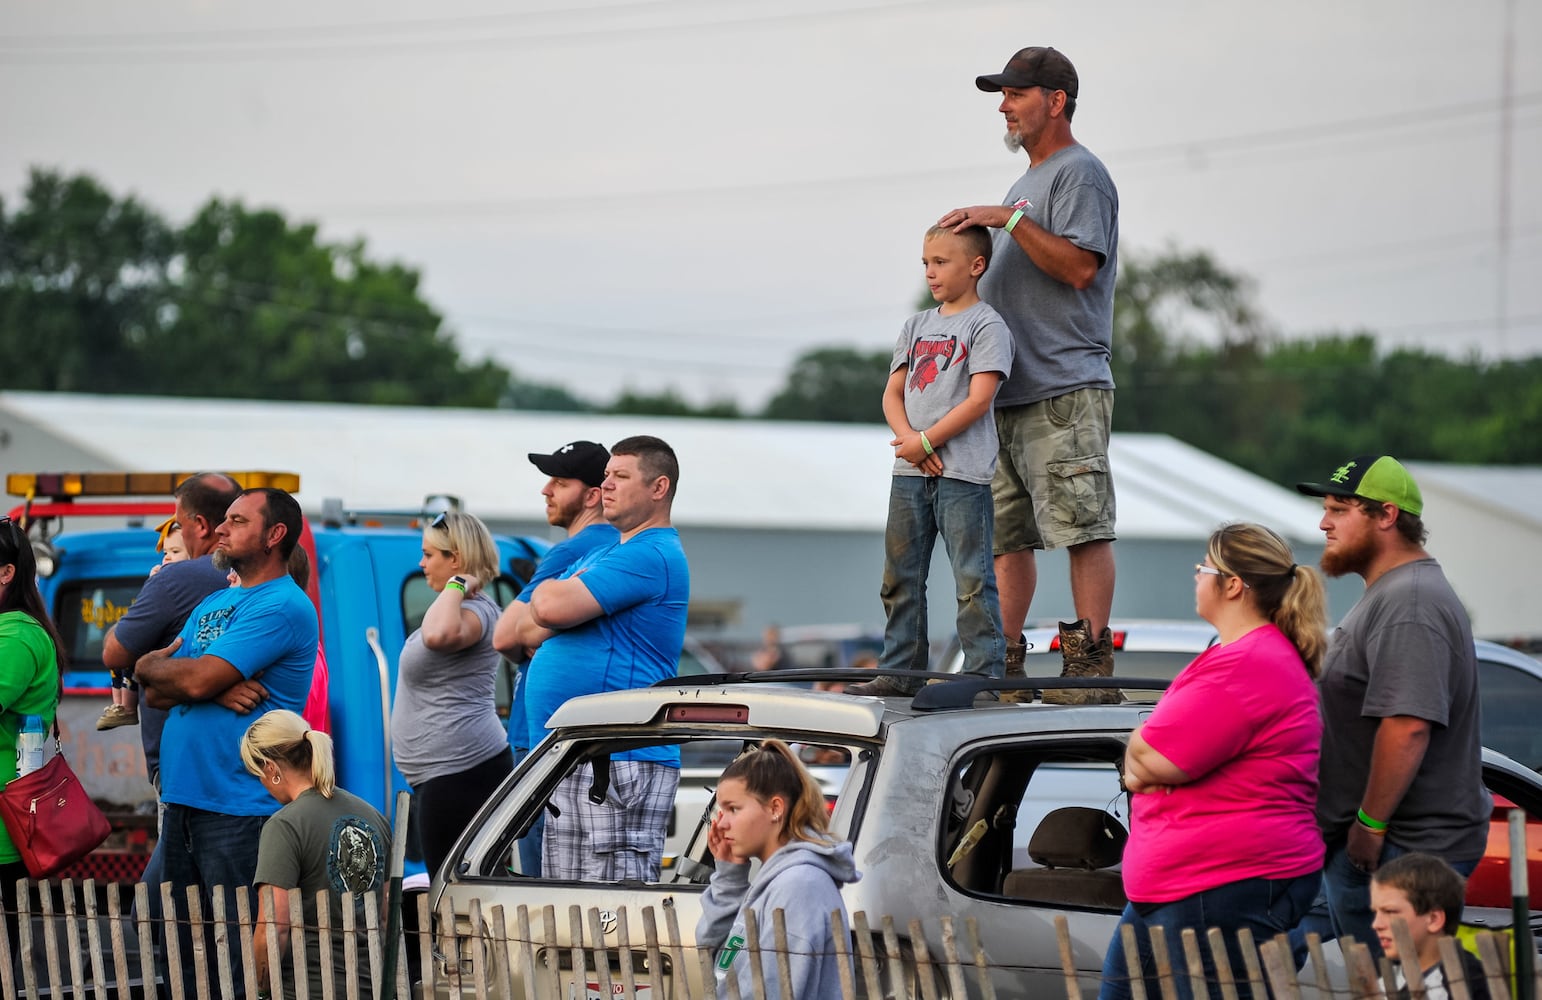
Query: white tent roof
{"points": [[734, 473], [1515, 490]]}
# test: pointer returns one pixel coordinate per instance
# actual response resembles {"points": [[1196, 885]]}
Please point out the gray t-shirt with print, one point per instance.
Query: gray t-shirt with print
{"points": [[940, 354], [445, 720], [1063, 335], [1406, 649]]}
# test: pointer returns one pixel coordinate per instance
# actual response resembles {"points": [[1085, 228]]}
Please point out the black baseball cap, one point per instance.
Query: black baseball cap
{"points": [[1380, 478], [1035, 66], [582, 460]]}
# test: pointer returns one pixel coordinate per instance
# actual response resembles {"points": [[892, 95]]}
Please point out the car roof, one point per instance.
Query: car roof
{"points": [[1510, 657], [774, 706]]}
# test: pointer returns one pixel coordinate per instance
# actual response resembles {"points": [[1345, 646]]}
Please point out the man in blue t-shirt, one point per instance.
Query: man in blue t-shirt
{"points": [[266, 628], [615, 620], [572, 495], [159, 612]]}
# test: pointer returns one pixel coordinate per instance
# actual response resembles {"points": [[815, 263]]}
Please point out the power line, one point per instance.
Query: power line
{"points": [[1311, 135], [493, 33]]}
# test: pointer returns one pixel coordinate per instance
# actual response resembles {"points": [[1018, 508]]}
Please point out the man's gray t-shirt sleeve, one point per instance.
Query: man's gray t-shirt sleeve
{"points": [[1083, 213]]}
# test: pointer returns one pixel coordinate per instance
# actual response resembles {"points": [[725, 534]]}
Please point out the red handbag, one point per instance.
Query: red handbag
{"points": [[51, 819]]}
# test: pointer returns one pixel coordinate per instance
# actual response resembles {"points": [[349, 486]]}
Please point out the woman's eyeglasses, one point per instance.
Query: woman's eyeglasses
{"points": [[1212, 571], [440, 521]]}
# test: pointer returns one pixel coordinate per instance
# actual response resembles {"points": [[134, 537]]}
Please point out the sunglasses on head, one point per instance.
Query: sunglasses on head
{"points": [[441, 520]]}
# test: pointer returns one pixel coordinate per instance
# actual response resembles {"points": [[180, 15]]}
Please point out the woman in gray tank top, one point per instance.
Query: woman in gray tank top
{"points": [[447, 738]]}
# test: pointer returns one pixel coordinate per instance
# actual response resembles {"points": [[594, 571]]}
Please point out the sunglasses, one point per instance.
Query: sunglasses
{"points": [[441, 520], [12, 536]]}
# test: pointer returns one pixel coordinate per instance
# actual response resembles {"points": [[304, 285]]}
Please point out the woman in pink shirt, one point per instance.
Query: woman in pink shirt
{"points": [[1223, 776]]}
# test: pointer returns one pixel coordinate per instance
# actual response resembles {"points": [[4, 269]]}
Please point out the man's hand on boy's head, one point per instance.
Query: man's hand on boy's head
{"points": [[993, 216]]}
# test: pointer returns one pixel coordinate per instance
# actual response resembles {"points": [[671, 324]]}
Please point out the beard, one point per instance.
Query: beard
{"points": [[559, 516], [221, 560], [1346, 558], [1012, 141]]}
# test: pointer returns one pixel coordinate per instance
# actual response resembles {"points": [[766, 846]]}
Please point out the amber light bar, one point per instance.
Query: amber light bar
{"points": [[69, 485]]}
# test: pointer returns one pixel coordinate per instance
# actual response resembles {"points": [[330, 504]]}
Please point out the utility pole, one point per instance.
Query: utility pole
{"points": [[1506, 126]]}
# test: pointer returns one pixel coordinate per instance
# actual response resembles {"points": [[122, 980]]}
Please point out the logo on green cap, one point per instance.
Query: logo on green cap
{"points": [[1341, 474]]}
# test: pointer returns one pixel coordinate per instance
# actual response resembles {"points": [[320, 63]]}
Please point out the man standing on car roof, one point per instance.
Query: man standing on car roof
{"points": [[1402, 761], [1056, 238], [576, 471], [614, 620]]}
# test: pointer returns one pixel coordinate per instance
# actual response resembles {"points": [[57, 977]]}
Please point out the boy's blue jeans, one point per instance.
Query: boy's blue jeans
{"points": [[921, 508]]}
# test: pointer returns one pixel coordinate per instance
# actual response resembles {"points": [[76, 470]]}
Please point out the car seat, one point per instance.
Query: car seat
{"points": [[1075, 845]]}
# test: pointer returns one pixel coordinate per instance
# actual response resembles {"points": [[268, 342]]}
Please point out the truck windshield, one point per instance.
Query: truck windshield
{"points": [[85, 609]]}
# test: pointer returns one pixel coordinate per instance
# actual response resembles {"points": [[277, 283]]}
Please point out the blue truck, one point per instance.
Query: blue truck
{"points": [[95, 540]]}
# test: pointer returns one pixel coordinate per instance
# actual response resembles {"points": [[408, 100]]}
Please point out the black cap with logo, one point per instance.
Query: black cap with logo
{"points": [[583, 460]]}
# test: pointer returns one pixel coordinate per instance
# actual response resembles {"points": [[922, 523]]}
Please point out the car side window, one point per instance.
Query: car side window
{"points": [[417, 595], [1040, 823], [686, 859], [1509, 698]]}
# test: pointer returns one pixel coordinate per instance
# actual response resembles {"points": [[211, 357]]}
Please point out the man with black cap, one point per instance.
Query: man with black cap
{"points": [[1056, 239], [572, 495], [1402, 765]]}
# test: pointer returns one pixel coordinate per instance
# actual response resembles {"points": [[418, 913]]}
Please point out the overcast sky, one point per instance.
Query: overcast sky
{"points": [[687, 193]]}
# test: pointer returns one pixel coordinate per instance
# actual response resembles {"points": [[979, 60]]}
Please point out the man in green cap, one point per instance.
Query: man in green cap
{"points": [[1402, 765]]}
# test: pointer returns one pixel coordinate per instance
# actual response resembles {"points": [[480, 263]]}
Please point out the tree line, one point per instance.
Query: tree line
{"points": [[102, 294]]}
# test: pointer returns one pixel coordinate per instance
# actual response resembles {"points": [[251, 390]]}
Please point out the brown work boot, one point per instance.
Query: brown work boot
{"points": [[1017, 652], [1082, 657]]}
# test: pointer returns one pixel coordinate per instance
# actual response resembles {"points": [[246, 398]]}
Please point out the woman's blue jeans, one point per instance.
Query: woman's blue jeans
{"points": [[1264, 906]]}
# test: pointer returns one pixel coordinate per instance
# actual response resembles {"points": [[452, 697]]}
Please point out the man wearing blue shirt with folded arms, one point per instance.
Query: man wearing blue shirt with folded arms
{"points": [[576, 471], [264, 631], [615, 621]]}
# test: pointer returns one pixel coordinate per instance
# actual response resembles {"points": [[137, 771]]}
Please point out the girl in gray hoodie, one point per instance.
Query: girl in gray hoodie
{"points": [[771, 810]]}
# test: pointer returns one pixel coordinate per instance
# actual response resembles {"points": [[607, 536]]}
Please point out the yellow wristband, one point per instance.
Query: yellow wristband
{"points": [[1016, 217], [926, 445]]}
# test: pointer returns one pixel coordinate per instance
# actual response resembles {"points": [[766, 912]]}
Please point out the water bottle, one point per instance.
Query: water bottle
{"points": [[29, 745]]}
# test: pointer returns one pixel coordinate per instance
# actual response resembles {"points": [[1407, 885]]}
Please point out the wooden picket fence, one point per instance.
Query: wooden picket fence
{"points": [[105, 952]]}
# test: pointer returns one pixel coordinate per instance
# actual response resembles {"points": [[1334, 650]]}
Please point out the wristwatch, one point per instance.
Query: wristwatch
{"points": [[460, 580]]}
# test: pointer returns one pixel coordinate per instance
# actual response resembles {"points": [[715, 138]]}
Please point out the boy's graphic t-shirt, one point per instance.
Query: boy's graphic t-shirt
{"points": [[939, 355]]}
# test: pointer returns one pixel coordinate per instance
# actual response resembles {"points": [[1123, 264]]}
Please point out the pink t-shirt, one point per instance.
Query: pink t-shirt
{"points": [[1242, 721]]}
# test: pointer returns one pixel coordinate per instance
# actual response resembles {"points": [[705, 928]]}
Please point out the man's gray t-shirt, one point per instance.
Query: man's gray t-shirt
{"points": [[1063, 336], [444, 720], [940, 354], [1406, 649], [154, 619]]}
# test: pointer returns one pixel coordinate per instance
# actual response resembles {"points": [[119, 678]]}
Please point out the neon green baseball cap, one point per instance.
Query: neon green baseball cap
{"points": [[1381, 478]]}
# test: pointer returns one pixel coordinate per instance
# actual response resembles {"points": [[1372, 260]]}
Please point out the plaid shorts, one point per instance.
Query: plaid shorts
{"points": [[622, 837]]}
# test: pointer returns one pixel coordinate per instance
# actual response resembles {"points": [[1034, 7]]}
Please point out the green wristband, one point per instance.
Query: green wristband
{"points": [[1372, 824], [926, 445], [1016, 217], [455, 585]]}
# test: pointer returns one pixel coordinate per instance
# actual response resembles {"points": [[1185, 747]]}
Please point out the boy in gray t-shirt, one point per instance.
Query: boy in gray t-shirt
{"points": [[947, 366]]}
